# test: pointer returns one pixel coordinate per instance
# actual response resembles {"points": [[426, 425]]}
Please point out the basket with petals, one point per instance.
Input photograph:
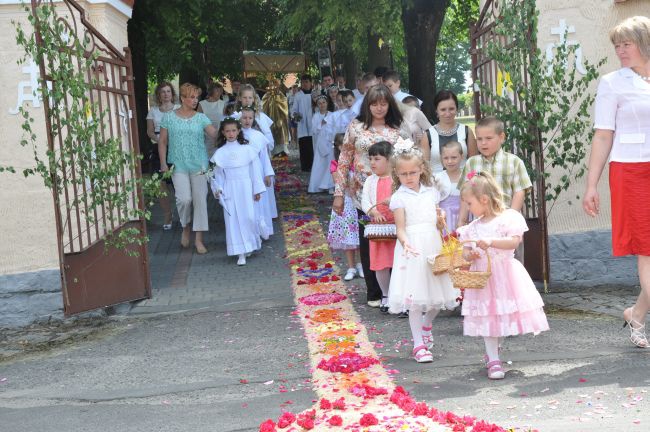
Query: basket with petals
{"points": [[470, 279], [446, 259]]}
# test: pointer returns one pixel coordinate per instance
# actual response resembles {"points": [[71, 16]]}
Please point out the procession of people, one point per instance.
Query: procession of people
{"points": [[385, 164]]}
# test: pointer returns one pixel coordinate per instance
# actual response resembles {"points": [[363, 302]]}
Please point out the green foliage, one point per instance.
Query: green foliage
{"points": [[556, 104], [312, 22], [452, 52], [465, 99], [91, 173], [205, 36]]}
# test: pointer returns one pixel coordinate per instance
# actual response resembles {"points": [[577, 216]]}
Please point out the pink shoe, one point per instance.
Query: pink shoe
{"points": [[495, 371], [422, 354], [427, 337], [486, 359]]}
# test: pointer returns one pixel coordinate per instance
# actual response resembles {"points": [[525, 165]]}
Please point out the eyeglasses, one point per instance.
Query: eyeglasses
{"points": [[409, 174]]}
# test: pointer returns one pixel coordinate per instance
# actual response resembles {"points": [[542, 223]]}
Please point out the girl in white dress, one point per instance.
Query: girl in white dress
{"points": [[237, 183], [323, 138], [248, 98], [257, 139], [412, 285], [452, 156]]}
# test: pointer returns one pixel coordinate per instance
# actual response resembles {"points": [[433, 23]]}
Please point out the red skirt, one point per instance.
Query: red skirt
{"points": [[629, 184]]}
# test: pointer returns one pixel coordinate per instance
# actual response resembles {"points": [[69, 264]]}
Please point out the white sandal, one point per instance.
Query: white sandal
{"points": [[427, 337], [422, 355], [637, 331]]}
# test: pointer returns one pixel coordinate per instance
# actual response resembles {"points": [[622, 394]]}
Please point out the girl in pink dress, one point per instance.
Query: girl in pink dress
{"points": [[509, 304], [377, 190]]}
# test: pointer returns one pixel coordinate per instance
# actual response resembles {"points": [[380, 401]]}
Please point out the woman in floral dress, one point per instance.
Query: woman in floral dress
{"points": [[380, 120]]}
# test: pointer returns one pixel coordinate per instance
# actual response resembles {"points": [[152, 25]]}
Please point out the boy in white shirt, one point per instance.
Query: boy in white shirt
{"points": [[392, 81]]}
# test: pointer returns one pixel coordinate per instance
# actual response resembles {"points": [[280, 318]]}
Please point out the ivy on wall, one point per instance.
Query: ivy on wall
{"points": [[91, 172], [555, 121]]}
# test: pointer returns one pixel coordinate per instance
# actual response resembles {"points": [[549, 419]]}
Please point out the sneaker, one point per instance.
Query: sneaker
{"points": [[167, 227], [360, 270], [242, 260], [403, 314], [374, 303], [350, 274]]}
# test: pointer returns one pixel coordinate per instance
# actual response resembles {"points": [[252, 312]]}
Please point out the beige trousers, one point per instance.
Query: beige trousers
{"points": [[191, 199]]}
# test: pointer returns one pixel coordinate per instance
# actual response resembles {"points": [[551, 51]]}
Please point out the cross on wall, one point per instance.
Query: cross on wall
{"points": [[563, 31]]}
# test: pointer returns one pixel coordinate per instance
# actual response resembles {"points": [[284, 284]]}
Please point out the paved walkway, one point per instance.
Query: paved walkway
{"points": [[604, 300], [183, 279], [608, 300]]}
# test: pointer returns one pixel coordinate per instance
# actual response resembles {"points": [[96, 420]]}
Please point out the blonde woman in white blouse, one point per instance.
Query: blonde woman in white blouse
{"points": [[165, 96], [622, 123]]}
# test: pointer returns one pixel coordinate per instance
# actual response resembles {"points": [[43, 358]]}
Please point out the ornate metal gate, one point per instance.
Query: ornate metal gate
{"points": [[94, 274], [486, 71]]}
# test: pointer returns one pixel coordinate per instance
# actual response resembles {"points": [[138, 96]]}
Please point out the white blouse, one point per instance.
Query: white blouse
{"points": [[623, 106], [156, 115]]}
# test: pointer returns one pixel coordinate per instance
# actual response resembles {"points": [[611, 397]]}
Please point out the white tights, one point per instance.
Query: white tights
{"points": [[492, 348], [383, 278], [417, 320]]}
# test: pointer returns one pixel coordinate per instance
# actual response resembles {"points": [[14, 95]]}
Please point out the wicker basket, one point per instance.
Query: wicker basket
{"points": [[380, 231], [442, 263], [471, 279]]}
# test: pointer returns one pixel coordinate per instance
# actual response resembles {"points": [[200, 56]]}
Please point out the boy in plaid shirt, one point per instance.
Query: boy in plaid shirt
{"points": [[508, 170]]}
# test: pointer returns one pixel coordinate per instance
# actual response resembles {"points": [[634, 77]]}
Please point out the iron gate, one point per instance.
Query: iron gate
{"points": [[94, 274], [486, 71]]}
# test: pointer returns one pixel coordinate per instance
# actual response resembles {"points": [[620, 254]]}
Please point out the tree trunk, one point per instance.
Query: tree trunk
{"points": [[377, 56], [422, 23], [350, 69], [139, 62], [189, 74]]}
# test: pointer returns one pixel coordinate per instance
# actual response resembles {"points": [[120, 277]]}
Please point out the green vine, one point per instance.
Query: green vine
{"points": [[556, 98], [89, 169]]}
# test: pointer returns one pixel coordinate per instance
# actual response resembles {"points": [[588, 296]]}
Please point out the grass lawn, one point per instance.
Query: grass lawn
{"points": [[468, 120]]}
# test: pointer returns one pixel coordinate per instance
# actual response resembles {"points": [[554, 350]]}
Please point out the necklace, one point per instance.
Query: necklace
{"points": [[448, 132], [183, 115]]}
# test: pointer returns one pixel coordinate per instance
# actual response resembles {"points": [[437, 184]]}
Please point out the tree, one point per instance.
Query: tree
{"points": [[422, 21], [453, 60], [204, 38], [363, 29]]}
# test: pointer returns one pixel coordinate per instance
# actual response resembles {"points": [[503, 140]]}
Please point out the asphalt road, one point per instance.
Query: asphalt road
{"points": [[228, 371]]}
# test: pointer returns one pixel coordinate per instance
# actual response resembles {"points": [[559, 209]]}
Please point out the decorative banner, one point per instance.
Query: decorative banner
{"points": [[355, 390], [504, 84]]}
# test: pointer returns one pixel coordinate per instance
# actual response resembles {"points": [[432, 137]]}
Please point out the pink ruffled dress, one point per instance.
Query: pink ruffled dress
{"points": [[510, 303]]}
